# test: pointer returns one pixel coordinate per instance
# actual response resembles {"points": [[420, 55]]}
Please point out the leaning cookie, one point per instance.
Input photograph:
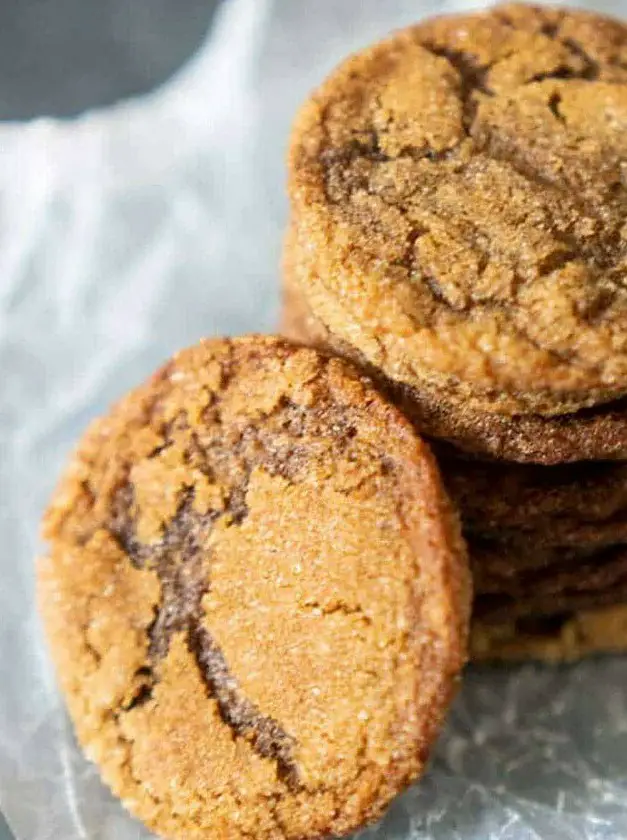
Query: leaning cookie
{"points": [[256, 595], [457, 200]]}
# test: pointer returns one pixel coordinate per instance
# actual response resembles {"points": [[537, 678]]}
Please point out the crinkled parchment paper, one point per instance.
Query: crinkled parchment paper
{"points": [[131, 232]]}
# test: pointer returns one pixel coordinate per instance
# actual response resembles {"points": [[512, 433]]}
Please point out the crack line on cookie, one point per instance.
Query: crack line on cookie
{"points": [[472, 79], [264, 733], [185, 580]]}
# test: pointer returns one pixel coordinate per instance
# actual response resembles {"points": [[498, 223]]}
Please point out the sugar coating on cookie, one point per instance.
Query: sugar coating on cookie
{"points": [[256, 595], [459, 197]]}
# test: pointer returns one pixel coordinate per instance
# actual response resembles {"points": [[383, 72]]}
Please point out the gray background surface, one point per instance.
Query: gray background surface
{"points": [[5, 834]]}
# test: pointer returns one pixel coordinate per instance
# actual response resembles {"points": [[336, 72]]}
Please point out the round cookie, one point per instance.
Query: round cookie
{"points": [[458, 198], [256, 595], [522, 523], [598, 433], [581, 537]]}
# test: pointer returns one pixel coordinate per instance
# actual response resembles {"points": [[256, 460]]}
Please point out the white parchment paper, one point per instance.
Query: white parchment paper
{"points": [[131, 232]]}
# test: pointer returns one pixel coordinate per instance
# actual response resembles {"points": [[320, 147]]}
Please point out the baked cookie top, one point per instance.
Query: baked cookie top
{"points": [[256, 595], [459, 193]]}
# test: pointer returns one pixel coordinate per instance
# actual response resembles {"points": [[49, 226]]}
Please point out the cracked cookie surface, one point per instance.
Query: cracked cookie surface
{"points": [[459, 196], [256, 595]]}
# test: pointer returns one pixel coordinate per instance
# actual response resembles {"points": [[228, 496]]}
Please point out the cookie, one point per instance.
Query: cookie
{"points": [[577, 583], [562, 605], [458, 197], [496, 562], [529, 528], [598, 433], [583, 537], [256, 595], [493, 495], [514, 555], [297, 322], [563, 637]]}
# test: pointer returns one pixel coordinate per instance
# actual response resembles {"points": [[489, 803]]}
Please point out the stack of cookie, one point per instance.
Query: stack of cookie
{"points": [[459, 229], [256, 592]]}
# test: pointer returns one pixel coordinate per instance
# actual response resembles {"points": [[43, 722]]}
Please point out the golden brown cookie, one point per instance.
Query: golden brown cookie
{"points": [[557, 638], [521, 549], [498, 564], [458, 197], [542, 539], [256, 595], [589, 434]]}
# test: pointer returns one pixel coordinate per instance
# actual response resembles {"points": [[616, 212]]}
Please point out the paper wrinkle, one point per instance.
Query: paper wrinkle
{"points": [[133, 231]]}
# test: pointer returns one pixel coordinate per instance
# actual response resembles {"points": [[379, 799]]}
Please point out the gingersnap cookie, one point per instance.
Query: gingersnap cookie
{"points": [[582, 537], [561, 637], [598, 433], [521, 522], [562, 604], [256, 595], [498, 564], [501, 496], [458, 195], [594, 580], [512, 554]]}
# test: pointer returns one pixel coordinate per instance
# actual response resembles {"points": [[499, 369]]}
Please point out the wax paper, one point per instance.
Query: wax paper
{"points": [[130, 232]]}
